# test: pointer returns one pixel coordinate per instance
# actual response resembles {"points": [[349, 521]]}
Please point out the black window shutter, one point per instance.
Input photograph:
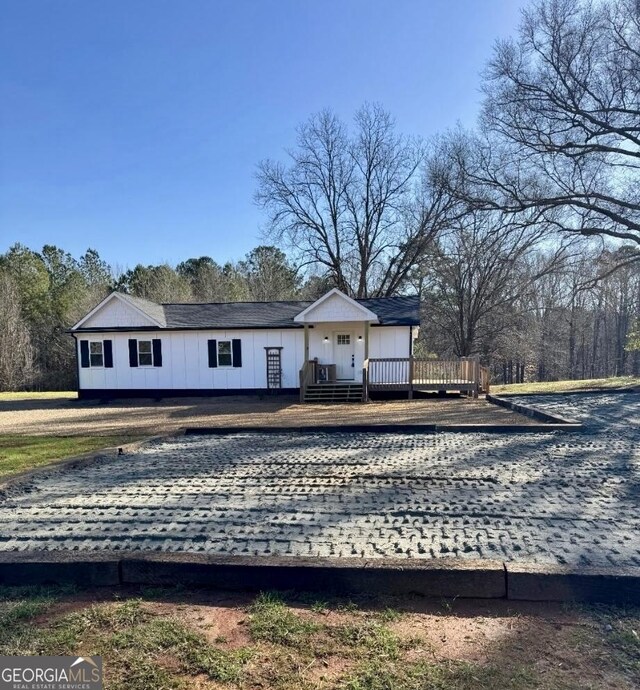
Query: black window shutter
{"points": [[84, 354], [107, 348], [133, 352], [236, 348], [212, 346], [157, 352]]}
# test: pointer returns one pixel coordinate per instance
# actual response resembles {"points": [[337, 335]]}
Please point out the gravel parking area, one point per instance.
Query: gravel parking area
{"points": [[553, 497], [70, 416]]}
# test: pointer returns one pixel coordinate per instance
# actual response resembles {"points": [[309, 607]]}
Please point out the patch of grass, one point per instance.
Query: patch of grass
{"points": [[135, 672], [568, 386], [347, 607], [443, 676], [369, 638], [38, 395], [271, 620], [319, 606], [21, 453], [140, 650], [18, 605], [389, 615]]}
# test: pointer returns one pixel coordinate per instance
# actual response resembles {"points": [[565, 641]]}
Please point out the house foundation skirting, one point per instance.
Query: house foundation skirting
{"points": [[117, 393]]}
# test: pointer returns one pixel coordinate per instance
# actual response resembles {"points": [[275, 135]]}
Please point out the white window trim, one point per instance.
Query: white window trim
{"points": [[96, 366], [150, 353], [224, 366]]}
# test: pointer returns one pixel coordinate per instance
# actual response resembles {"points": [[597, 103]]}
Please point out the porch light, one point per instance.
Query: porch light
{"points": [[326, 339], [359, 338]]}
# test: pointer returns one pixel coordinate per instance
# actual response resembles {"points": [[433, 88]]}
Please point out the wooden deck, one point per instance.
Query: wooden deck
{"points": [[411, 374]]}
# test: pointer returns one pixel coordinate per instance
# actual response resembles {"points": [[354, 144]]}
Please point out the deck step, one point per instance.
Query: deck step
{"points": [[333, 392]]}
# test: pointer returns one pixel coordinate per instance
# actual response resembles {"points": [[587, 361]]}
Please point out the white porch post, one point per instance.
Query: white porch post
{"points": [[306, 342], [366, 339]]}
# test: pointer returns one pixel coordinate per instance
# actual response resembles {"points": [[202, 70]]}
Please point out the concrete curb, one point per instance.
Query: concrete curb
{"points": [[582, 391], [434, 578], [536, 413], [99, 569], [531, 582], [377, 429], [83, 459], [462, 578]]}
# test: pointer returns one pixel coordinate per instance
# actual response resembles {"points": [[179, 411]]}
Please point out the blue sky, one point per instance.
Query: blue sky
{"points": [[134, 126]]}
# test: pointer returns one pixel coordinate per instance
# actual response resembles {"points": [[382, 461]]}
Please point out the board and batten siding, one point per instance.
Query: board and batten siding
{"points": [[117, 313], [185, 361], [185, 357]]}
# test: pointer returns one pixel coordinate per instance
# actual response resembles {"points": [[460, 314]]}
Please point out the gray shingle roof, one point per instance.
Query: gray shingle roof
{"points": [[397, 311], [391, 311]]}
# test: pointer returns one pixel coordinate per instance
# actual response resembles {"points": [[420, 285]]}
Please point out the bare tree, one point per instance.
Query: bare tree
{"points": [[480, 270], [16, 351], [353, 205], [560, 130]]}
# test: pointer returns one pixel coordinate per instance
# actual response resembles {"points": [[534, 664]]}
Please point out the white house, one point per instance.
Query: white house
{"points": [[131, 347]]}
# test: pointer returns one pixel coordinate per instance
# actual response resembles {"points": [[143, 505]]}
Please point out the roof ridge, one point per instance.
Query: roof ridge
{"points": [[272, 301], [269, 301]]}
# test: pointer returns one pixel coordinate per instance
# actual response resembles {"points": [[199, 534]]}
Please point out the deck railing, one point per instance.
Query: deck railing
{"points": [[307, 377], [411, 373]]}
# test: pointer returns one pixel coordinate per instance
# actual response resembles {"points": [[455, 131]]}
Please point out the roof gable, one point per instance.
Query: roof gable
{"points": [[335, 306], [118, 310]]}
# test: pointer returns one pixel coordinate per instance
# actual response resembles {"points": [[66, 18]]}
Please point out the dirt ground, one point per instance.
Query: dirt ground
{"points": [[68, 416], [215, 639]]}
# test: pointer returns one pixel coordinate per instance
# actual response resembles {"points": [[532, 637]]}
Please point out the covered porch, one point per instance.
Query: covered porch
{"points": [[352, 353], [337, 337], [394, 375]]}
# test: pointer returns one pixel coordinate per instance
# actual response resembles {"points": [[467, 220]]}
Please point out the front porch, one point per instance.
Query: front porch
{"points": [[351, 352], [408, 375]]}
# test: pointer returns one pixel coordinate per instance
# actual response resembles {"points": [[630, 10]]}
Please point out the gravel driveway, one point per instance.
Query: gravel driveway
{"points": [[554, 497]]}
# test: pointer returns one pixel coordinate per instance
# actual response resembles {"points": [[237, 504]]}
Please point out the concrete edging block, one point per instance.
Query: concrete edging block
{"points": [[381, 429], [434, 578], [59, 567], [533, 582], [536, 413], [582, 391], [321, 429]]}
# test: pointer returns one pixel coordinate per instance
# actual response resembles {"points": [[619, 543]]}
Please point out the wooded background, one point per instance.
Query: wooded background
{"points": [[522, 236]]}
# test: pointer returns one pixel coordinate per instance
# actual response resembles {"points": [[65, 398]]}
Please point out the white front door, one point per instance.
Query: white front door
{"points": [[344, 355]]}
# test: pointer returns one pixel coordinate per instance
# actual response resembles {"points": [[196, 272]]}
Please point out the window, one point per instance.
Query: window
{"points": [[96, 355], [344, 339], [145, 356], [225, 357]]}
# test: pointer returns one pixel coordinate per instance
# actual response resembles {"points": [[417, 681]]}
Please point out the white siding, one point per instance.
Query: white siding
{"points": [[185, 363], [117, 313], [384, 341], [185, 357], [389, 341], [335, 308]]}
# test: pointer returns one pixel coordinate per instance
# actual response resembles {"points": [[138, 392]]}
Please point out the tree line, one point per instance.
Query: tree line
{"points": [[521, 235], [45, 292]]}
